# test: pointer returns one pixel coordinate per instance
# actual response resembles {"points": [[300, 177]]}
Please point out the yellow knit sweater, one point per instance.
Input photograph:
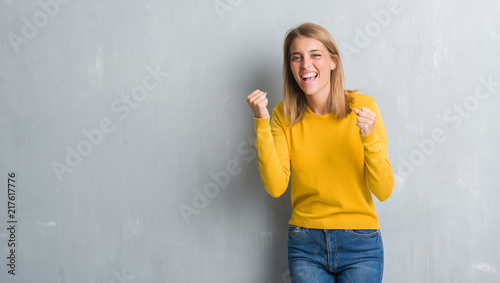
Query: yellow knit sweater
{"points": [[334, 169]]}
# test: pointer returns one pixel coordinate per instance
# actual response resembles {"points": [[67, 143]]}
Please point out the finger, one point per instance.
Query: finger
{"points": [[367, 120], [367, 109], [356, 110], [367, 112], [261, 101], [257, 96], [366, 117], [255, 93], [362, 125]]}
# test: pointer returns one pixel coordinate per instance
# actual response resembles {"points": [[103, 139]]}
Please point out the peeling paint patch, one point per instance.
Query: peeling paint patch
{"points": [[485, 267]]}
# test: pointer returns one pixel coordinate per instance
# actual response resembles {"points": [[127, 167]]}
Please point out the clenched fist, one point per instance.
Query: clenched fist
{"points": [[366, 120], [258, 103]]}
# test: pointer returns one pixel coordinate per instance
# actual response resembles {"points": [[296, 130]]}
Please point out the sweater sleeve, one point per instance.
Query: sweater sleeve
{"points": [[379, 173], [272, 155]]}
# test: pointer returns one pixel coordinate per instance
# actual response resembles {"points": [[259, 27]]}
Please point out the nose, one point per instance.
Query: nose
{"points": [[305, 63]]}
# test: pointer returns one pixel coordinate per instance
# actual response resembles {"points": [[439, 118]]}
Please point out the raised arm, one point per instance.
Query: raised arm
{"points": [[379, 173], [271, 145]]}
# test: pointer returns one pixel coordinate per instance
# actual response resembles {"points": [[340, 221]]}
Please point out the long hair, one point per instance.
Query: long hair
{"points": [[294, 99]]}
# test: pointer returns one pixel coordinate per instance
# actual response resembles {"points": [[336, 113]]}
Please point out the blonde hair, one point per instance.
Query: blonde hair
{"points": [[294, 99]]}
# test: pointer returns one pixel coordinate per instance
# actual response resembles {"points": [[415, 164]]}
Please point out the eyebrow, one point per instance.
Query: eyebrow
{"points": [[310, 51]]}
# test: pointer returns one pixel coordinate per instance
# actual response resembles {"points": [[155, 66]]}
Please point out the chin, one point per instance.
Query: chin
{"points": [[308, 91]]}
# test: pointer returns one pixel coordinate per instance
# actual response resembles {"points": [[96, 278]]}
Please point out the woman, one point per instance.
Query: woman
{"points": [[335, 141]]}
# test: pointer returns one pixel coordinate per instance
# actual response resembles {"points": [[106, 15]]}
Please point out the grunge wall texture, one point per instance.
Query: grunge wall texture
{"points": [[129, 146]]}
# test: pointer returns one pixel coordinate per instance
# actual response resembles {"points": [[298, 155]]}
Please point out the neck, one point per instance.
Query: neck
{"points": [[318, 103]]}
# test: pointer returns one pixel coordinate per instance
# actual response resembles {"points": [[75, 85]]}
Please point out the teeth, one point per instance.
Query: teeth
{"points": [[308, 75]]}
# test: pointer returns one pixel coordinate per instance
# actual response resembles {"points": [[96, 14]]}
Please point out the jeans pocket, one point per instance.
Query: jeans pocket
{"points": [[296, 231], [364, 233]]}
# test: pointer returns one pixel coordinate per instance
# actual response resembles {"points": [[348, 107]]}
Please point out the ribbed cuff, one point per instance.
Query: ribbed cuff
{"points": [[262, 123], [370, 138]]}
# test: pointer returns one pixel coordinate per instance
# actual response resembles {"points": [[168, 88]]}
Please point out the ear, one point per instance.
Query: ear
{"points": [[333, 65]]}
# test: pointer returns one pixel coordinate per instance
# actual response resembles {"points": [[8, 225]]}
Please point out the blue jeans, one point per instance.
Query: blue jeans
{"points": [[340, 256]]}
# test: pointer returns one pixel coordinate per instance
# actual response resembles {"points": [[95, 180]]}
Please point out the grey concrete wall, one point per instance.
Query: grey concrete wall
{"points": [[129, 143]]}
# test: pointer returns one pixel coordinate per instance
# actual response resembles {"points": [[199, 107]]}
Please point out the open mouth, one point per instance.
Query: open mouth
{"points": [[309, 78]]}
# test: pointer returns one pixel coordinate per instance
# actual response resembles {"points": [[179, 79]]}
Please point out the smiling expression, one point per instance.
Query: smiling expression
{"points": [[311, 65]]}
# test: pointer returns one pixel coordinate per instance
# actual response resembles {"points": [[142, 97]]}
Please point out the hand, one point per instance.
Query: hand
{"points": [[366, 120], [258, 103]]}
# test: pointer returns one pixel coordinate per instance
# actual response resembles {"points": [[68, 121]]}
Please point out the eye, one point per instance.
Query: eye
{"points": [[316, 55], [295, 58]]}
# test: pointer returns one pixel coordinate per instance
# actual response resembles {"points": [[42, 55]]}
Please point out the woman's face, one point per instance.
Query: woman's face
{"points": [[311, 65]]}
